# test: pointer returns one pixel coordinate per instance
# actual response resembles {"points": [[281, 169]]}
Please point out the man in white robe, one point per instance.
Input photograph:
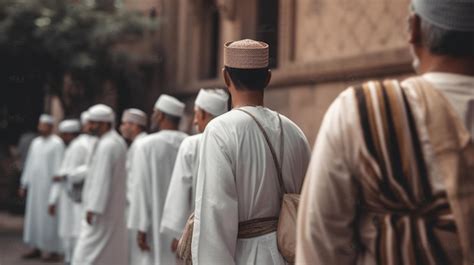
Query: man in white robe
{"points": [[152, 166], [210, 103], [336, 224], [77, 176], [133, 128], [102, 238], [43, 161], [237, 179], [60, 202]]}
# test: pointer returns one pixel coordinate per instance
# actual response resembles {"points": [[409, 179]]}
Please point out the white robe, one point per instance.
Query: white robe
{"points": [[327, 210], [67, 210], [179, 202], [136, 256], [152, 167], [42, 163], [79, 174], [105, 241], [237, 181]]}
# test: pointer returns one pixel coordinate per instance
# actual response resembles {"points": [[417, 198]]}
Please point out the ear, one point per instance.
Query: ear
{"points": [[414, 29], [269, 77], [226, 76]]}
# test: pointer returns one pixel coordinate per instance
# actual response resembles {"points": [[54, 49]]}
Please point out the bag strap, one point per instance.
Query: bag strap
{"points": [[270, 146]]}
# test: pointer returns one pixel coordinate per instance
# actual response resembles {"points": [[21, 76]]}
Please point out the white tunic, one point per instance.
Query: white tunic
{"points": [[327, 212], [154, 159], [237, 181], [180, 198], [136, 256], [105, 241], [67, 209], [43, 161], [79, 174]]}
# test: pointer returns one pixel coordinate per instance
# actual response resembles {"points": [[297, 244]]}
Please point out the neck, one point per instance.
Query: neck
{"points": [[247, 98], [104, 132], [167, 125], [135, 136], [446, 64]]}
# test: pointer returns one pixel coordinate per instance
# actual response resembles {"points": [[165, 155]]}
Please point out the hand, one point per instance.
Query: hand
{"points": [[90, 217], [52, 209], [22, 192], [142, 242], [58, 178], [174, 245]]}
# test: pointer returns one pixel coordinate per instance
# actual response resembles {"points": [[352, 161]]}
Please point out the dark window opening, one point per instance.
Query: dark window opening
{"points": [[267, 27]]}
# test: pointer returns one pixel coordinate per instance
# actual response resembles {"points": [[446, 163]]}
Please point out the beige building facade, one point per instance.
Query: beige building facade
{"points": [[318, 47]]}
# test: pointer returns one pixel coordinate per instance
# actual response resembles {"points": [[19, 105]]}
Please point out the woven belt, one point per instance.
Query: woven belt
{"points": [[257, 227]]}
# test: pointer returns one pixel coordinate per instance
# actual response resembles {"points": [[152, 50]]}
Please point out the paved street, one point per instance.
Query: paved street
{"points": [[11, 246]]}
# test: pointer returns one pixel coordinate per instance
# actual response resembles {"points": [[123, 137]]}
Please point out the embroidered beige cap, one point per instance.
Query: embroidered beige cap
{"points": [[246, 54]]}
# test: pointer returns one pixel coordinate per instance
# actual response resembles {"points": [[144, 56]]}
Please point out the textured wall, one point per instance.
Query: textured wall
{"points": [[330, 29]]}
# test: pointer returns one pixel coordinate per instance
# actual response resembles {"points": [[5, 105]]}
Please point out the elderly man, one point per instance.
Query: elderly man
{"points": [[133, 128], [152, 166], [43, 161], [59, 199], [210, 103], [391, 179], [102, 239], [238, 181]]}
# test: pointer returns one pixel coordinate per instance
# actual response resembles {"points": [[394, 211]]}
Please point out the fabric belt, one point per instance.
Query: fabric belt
{"points": [[257, 227]]}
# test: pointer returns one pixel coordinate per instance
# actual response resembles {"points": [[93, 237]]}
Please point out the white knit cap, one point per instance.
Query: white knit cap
{"points": [[101, 113], [84, 117], [47, 119], [170, 105], [455, 15], [69, 126], [246, 54], [213, 101], [134, 116]]}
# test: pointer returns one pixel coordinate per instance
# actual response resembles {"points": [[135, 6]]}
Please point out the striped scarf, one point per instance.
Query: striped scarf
{"points": [[396, 187]]}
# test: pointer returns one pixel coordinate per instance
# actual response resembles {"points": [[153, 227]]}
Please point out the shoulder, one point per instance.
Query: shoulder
{"points": [[192, 140], [57, 141]]}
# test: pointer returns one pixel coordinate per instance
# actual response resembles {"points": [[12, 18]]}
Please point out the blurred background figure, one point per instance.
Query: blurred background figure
{"points": [[102, 238], [43, 162], [133, 128]]}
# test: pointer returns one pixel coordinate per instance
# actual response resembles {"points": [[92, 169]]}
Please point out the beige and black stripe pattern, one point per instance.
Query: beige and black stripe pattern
{"points": [[396, 188]]}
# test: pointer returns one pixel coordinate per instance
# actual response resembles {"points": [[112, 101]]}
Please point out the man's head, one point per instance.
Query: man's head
{"points": [[246, 66], [45, 125], [101, 119], [68, 130], [85, 123], [442, 30], [133, 123], [167, 113], [209, 104]]}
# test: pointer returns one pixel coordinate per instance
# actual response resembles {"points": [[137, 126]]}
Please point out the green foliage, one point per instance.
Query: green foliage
{"points": [[73, 36]]}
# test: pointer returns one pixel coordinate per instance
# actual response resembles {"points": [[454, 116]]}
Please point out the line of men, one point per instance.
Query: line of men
{"points": [[390, 179]]}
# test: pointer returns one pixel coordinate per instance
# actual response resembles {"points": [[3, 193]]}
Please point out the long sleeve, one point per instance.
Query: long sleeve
{"points": [[216, 213], [327, 210], [140, 204], [54, 193], [78, 174], [100, 178], [178, 204]]}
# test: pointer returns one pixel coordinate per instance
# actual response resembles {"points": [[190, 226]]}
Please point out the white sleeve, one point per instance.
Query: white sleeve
{"points": [[54, 193], [100, 178], [140, 204], [216, 214], [178, 204], [327, 209]]}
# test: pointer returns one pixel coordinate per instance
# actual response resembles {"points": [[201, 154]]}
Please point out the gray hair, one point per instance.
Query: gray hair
{"points": [[447, 42]]}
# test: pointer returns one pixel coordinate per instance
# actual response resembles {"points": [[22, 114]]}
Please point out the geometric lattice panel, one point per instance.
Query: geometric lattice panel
{"points": [[333, 29]]}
